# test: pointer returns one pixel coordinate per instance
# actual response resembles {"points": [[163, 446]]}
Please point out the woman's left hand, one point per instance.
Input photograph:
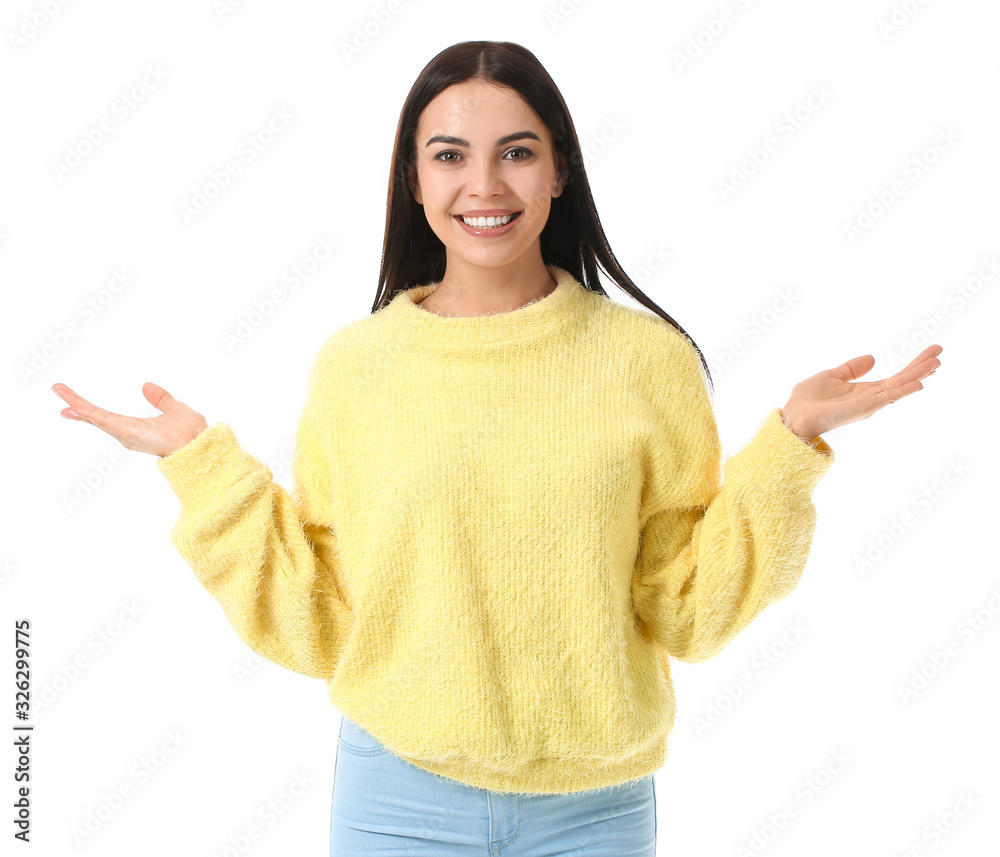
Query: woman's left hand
{"points": [[829, 399]]}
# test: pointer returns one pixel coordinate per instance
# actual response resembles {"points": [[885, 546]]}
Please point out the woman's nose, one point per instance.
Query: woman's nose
{"points": [[484, 178]]}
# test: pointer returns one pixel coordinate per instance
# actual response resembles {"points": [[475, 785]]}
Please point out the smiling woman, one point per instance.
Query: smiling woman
{"points": [[509, 511], [484, 132], [486, 199]]}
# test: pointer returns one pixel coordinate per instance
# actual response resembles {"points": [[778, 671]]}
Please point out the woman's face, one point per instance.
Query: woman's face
{"points": [[481, 148]]}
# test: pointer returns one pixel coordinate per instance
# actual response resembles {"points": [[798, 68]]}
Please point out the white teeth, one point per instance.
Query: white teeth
{"points": [[483, 222]]}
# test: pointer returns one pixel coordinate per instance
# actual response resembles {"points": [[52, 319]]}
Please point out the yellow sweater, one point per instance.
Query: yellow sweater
{"points": [[501, 529]]}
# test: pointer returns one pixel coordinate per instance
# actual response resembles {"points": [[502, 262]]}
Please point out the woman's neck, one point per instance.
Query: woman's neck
{"points": [[452, 299]]}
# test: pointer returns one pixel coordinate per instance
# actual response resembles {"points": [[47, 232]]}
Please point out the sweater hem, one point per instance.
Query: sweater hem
{"points": [[544, 775], [548, 776]]}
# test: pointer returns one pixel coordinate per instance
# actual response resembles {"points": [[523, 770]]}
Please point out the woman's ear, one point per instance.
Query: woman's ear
{"points": [[414, 183], [562, 174]]}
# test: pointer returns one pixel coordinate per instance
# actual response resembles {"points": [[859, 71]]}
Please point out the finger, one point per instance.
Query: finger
{"points": [[107, 421], [930, 351], [920, 367], [923, 364], [158, 397], [69, 396], [854, 368], [888, 395], [913, 372]]}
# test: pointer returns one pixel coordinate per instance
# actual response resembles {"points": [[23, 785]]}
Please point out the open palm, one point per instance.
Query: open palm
{"points": [[834, 398], [177, 426]]}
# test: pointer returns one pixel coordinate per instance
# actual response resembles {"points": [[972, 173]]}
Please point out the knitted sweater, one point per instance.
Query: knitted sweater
{"points": [[501, 530]]}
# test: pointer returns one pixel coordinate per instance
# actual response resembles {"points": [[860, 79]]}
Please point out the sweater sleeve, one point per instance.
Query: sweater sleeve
{"points": [[712, 557], [268, 557]]}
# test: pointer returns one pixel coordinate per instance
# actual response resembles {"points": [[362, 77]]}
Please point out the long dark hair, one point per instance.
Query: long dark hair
{"points": [[573, 238]]}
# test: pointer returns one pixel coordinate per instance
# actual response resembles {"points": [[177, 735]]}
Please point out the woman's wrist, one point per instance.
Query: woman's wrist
{"points": [[797, 426], [184, 442]]}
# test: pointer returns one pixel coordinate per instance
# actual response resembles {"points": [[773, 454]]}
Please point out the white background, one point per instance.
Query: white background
{"points": [[86, 522]]}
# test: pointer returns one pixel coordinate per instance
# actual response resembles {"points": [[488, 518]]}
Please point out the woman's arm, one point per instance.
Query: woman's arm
{"points": [[705, 571], [268, 557]]}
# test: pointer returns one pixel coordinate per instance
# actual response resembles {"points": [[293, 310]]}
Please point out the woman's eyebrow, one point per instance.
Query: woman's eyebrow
{"points": [[503, 141]]}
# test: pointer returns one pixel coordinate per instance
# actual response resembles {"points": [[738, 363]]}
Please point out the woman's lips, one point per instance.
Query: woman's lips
{"points": [[489, 231]]}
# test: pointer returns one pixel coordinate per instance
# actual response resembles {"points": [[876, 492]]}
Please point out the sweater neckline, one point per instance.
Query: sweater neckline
{"points": [[543, 315]]}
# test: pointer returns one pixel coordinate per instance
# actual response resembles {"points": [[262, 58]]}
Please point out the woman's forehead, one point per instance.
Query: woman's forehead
{"points": [[485, 106]]}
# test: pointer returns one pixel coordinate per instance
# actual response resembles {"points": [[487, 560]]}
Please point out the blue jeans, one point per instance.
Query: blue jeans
{"points": [[384, 805]]}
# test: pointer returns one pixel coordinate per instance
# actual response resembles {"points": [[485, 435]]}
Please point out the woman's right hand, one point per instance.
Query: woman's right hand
{"points": [[162, 435]]}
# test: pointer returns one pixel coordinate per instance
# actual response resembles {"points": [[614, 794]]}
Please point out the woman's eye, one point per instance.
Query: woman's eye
{"points": [[526, 154]]}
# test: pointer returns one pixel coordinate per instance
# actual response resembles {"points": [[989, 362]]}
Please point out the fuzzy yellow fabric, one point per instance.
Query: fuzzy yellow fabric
{"points": [[501, 530]]}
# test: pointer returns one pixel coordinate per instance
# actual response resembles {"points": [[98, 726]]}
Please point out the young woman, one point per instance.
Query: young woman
{"points": [[508, 510]]}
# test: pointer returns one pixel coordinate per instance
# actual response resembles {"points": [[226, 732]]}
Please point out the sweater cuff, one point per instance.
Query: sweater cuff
{"points": [[213, 458], [779, 461]]}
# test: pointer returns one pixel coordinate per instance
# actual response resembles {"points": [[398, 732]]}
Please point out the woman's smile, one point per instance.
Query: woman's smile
{"points": [[488, 231]]}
